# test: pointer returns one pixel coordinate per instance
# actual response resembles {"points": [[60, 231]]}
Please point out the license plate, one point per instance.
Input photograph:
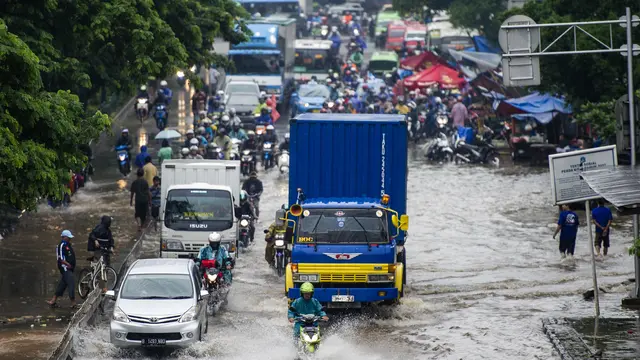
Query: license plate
{"points": [[154, 342], [342, 298], [315, 110]]}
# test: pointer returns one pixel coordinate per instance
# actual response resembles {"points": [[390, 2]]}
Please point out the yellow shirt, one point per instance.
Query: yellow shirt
{"points": [[150, 171], [402, 109]]}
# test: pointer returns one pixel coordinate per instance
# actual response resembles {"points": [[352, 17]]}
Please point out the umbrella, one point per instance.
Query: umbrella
{"points": [[168, 135]]}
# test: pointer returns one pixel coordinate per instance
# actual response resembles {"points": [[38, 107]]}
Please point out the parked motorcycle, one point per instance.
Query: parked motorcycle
{"points": [[282, 253], [142, 109], [123, 159], [246, 234], [161, 115], [439, 149], [484, 153], [267, 155], [283, 161], [247, 162], [309, 331]]}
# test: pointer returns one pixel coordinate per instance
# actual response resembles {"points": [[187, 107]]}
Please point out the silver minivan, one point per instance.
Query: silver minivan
{"points": [[159, 304]]}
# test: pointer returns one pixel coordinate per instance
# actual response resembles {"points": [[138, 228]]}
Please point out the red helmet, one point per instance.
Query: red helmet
{"points": [[269, 102], [323, 110]]}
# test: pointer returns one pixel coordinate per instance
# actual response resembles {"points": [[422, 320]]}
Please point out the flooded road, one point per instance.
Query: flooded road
{"points": [[483, 270]]}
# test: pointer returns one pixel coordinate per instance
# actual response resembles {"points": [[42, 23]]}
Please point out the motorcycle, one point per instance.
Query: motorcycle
{"points": [[246, 234], [309, 331], [439, 149], [260, 130], [217, 154], [267, 155], [247, 162], [123, 159], [161, 116], [484, 153], [324, 32], [282, 253], [142, 108], [283, 161], [235, 149], [213, 281]]}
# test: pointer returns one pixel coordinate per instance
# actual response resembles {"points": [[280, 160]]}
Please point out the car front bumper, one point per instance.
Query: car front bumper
{"points": [[178, 335]]}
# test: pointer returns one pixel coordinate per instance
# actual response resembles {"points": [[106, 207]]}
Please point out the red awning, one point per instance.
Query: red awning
{"points": [[442, 75], [423, 61]]}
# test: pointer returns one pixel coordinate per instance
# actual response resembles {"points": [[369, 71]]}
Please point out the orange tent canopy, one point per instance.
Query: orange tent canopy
{"points": [[442, 75]]}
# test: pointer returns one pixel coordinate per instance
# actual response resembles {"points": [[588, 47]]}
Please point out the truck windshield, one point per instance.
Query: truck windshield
{"points": [[311, 61], [396, 33], [259, 64], [199, 210], [348, 226]]}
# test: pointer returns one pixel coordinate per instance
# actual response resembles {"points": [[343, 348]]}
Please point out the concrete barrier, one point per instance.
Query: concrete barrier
{"points": [[566, 340]]}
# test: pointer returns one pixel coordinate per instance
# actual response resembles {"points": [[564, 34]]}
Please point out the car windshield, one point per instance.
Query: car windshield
{"points": [[396, 33], [236, 99], [199, 210], [346, 226], [255, 64], [382, 65], [373, 86], [314, 91], [242, 88], [311, 61], [157, 286]]}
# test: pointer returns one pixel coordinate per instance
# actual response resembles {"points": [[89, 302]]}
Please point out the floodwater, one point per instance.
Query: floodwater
{"points": [[483, 270]]}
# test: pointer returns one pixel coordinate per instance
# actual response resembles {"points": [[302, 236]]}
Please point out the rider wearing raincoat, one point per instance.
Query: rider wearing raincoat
{"points": [[306, 304], [214, 251]]}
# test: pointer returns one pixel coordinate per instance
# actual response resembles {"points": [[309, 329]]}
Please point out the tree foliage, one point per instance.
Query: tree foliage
{"points": [[600, 116], [594, 78], [39, 130]]}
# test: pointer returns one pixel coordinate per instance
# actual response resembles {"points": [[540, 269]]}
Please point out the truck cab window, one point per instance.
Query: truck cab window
{"points": [[349, 226]]}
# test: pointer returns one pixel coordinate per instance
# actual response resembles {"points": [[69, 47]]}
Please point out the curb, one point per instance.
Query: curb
{"points": [[551, 326], [91, 305]]}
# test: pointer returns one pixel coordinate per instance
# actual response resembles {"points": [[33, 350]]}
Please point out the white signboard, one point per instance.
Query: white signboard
{"points": [[566, 184]]}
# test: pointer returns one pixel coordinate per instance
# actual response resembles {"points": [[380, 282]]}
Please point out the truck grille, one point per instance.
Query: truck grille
{"points": [[343, 278], [193, 247]]}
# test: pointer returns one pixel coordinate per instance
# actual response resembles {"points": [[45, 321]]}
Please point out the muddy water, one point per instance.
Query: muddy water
{"points": [[483, 270]]}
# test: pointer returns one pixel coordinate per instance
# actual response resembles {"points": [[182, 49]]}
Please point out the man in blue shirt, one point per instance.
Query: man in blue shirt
{"points": [[66, 265], [568, 228], [602, 218]]}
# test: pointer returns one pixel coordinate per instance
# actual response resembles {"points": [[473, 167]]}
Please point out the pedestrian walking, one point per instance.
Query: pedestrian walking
{"points": [[568, 228], [66, 258], [165, 152], [155, 200], [150, 171], [140, 190], [602, 219]]}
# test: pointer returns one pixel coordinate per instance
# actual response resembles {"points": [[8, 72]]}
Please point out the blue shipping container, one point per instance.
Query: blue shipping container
{"points": [[351, 157]]}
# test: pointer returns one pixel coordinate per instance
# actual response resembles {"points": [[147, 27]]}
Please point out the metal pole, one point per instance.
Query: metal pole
{"points": [[632, 134], [596, 293]]}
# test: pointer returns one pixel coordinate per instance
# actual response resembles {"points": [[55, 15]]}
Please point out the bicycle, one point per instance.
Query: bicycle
{"points": [[90, 277]]}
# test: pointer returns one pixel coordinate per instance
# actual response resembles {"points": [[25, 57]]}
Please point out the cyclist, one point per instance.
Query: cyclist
{"points": [[101, 238]]}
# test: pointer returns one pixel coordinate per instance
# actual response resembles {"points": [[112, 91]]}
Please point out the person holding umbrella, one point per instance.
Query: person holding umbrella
{"points": [[166, 152]]}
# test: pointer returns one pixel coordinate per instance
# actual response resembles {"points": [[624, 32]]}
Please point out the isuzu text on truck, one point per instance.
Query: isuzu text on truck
{"points": [[197, 199], [347, 222]]}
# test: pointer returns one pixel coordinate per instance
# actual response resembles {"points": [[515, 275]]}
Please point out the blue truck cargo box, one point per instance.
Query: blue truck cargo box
{"points": [[349, 156]]}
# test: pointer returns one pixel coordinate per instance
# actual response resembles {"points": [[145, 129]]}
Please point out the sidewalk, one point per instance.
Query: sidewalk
{"points": [[28, 270]]}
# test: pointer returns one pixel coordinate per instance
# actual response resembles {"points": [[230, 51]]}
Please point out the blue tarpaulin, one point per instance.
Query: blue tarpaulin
{"points": [[542, 107], [483, 45]]}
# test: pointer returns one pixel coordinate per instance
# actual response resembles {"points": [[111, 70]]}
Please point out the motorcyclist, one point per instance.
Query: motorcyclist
{"points": [[251, 143], [237, 133], [190, 135], [261, 105], [347, 78], [215, 251], [305, 304], [225, 122], [245, 208], [206, 123], [265, 116], [125, 140], [313, 81], [161, 98], [184, 152], [198, 102], [168, 94], [284, 146], [413, 117], [253, 187], [215, 106], [101, 237], [142, 94], [235, 119], [269, 251], [193, 153], [270, 135], [357, 57], [222, 140], [402, 108]]}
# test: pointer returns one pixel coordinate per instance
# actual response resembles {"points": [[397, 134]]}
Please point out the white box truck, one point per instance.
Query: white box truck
{"points": [[198, 198]]}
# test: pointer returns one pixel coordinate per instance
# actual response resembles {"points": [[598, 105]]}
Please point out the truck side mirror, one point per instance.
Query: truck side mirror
{"points": [[404, 222]]}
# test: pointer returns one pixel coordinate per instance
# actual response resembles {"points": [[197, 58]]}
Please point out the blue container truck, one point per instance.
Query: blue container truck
{"points": [[346, 218]]}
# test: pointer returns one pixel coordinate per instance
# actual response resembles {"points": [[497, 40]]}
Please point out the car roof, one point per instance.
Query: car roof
{"points": [[161, 266]]}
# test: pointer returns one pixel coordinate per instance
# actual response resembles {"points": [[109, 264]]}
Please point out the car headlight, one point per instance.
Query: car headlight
{"points": [[180, 74], [172, 245], [119, 315], [306, 104], [279, 243], [190, 315], [244, 223]]}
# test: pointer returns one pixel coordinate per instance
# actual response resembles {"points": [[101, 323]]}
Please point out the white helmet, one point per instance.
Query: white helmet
{"points": [[270, 127], [125, 131], [225, 118], [163, 83], [286, 136], [193, 148], [215, 237], [194, 142], [263, 94], [190, 131], [438, 100], [201, 130], [412, 104], [185, 151], [143, 88], [528, 127], [220, 92]]}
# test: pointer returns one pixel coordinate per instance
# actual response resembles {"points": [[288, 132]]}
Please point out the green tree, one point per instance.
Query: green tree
{"points": [[600, 116], [594, 78], [39, 130], [480, 15]]}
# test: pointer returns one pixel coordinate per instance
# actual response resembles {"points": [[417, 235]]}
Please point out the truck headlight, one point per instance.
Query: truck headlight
{"points": [[381, 278], [172, 245], [305, 277], [244, 223], [279, 243]]}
